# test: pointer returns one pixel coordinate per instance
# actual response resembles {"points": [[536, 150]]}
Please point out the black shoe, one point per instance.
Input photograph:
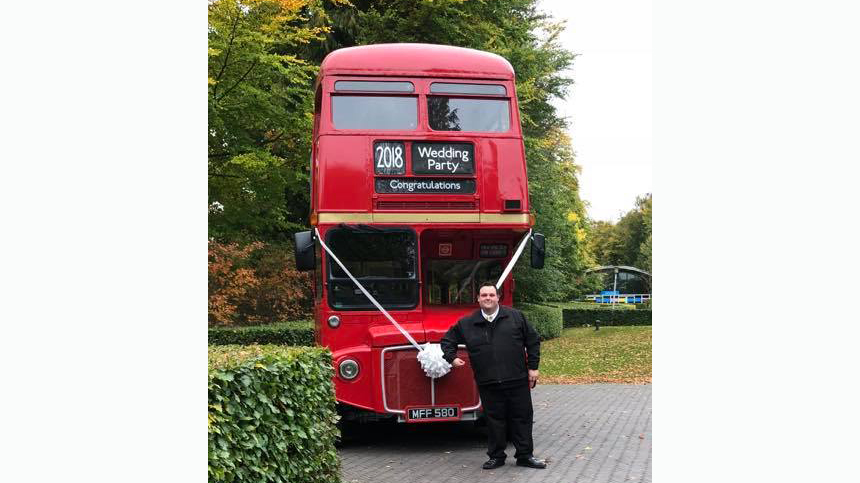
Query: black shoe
{"points": [[493, 463], [531, 462]]}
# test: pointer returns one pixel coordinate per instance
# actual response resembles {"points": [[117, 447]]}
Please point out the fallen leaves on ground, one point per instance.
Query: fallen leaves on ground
{"points": [[585, 356], [594, 380]]}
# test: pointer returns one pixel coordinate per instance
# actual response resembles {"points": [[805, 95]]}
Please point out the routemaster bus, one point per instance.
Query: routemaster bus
{"points": [[418, 194]]}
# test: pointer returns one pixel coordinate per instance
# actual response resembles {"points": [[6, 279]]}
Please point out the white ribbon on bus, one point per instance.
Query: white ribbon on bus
{"points": [[429, 355]]}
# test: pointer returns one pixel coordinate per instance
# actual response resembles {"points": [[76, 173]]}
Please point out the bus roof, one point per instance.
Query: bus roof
{"points": [[416, 60]]}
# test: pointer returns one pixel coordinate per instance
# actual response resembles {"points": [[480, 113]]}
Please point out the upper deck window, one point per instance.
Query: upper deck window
{"points": [[372, 86], [481, 89], [374, 112], [477, 115]]}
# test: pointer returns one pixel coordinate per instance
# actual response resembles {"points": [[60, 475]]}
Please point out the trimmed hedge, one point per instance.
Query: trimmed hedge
{"points": [[271, 414], [284, 333], [579, 317], [546, 320]]}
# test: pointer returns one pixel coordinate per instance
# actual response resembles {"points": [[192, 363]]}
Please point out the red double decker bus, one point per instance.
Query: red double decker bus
{"points": [[419, 189]]}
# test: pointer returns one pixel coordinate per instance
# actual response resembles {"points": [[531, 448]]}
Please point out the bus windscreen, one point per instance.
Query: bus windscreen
{"points": [[475, 115], [384, 262]]}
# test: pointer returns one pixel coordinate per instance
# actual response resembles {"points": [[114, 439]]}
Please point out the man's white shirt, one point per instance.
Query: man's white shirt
{"points": [[492, 316]]}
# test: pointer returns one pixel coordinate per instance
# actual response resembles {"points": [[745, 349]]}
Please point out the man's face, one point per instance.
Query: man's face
{"points": [[488, 299]]}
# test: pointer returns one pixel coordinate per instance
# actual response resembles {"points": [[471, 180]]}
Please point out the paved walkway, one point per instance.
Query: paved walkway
{"points": [[598, 433]]}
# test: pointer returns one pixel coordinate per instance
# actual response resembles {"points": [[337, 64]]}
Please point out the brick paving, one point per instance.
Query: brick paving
{"points": [[598, 433]]}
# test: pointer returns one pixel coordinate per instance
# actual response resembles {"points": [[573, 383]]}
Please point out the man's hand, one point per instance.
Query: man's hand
{"points": [[533, 377], [457, 362]]}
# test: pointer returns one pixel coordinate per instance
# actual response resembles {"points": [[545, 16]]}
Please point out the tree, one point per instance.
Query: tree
{"points": [[263, 57], [643, 260], [260, 100], [627, 242]]}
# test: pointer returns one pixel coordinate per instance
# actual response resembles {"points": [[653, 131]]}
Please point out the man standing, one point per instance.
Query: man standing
{"points": [[499, 340]]}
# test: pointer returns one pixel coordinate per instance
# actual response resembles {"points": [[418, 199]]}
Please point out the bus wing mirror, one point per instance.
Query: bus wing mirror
{"points": [[538, 250], [305, 253]]}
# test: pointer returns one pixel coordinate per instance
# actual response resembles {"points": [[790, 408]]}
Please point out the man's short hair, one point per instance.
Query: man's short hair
{"points": [[488, 284]]}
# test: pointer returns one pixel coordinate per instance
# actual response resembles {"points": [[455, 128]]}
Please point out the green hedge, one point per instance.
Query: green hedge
{"points": [[579, 317], [284, 333], [545, 319], [271, 414]]}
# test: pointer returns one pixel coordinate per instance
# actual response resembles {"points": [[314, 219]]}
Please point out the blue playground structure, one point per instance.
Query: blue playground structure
{"points": [[628, 285], [613, 297]]}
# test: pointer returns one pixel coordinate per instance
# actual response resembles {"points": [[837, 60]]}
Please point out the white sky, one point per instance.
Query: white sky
{"points": [[609, 104]]}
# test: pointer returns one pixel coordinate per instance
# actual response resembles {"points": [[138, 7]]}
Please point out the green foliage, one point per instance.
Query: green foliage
{"points": [[271, 415], [595, 306], [627, 242], [554, 195], [545, 319], [606, 316], [643, 259], [260, 104], [299, 333]]}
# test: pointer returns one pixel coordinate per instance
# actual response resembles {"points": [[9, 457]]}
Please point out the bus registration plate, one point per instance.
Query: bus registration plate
{"points": [[421, 414]]}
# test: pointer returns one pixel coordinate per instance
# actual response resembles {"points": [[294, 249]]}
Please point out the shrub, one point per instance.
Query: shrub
{"points": [[284, 333], [256, 283], [578, 317], [594, 306], [271, 414], [545, 319], [229, 281], [644, 305]]}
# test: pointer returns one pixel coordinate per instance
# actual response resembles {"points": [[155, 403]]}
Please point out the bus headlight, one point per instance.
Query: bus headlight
{"points": [[348, 369], [334, 321]]}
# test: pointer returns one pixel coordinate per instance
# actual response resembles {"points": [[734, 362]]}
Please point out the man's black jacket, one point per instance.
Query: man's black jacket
{"points": [[495, 349]]}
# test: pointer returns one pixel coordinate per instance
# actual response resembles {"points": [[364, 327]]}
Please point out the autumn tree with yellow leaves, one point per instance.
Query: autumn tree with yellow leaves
{"points": [[260, 116]]}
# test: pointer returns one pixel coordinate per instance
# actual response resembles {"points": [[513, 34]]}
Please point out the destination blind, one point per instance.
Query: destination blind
{"points": [[443, 158], [425, 186]]}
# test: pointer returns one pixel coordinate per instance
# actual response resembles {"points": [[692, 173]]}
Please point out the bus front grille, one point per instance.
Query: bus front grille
{"points": [[405, 384]]}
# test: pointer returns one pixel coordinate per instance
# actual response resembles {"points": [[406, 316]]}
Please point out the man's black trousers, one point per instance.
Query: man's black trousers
{"points": [[508, 409]]}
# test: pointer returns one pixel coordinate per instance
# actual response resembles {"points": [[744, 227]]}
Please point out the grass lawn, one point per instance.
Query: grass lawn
{"points": [[584, 355]]}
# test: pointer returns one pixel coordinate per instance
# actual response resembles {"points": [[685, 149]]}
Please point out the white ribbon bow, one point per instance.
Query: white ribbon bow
{"points": [[432, 362]]}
